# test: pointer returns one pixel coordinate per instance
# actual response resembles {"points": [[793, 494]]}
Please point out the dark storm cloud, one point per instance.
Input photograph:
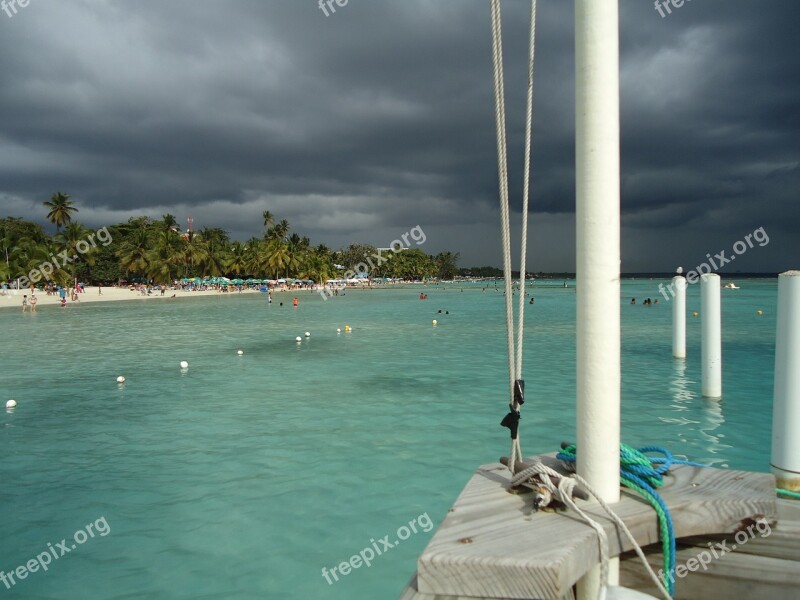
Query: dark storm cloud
{"points": [[362, 124]]}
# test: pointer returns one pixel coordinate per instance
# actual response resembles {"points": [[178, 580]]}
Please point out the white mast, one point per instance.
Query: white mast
{"points": [[597, 186]]}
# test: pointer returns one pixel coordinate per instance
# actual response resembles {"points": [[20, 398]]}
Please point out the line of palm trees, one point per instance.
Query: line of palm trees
{"points": [[156, 250]]}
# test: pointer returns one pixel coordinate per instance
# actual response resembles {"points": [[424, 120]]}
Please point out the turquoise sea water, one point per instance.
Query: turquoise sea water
{"points": [[246, 475]]}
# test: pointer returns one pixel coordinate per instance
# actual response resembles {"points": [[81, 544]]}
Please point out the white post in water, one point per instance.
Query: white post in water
{"points": [[597, 213], [711, 342], [679, 317], [786, 406]]}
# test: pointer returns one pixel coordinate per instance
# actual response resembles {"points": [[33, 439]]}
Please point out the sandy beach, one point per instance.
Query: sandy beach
{"points": [[13, 299]]}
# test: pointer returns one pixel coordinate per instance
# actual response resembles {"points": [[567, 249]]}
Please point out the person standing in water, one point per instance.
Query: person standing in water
{"points": [[25, 303], [34, 300]]}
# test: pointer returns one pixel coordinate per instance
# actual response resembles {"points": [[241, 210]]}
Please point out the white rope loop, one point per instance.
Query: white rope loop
{"points": [[502, 168], [514, 355], [563, 493]]}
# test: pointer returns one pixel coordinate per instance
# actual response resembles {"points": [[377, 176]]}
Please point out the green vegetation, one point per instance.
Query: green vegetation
{"points": [[145, 249]]}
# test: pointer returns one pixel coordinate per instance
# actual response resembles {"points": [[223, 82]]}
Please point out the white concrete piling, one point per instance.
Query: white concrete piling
{"points": [[711, 341], [786, 402], [679, 317], [597, 187]]}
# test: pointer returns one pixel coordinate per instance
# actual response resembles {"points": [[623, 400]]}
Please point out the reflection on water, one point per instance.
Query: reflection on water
{"points": [[682, 395], [701, 418], [711, 420]]}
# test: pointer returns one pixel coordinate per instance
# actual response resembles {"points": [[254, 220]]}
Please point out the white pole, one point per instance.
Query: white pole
{"points": [[597, 183], [711, 342], [786, 406], [679, 317]]}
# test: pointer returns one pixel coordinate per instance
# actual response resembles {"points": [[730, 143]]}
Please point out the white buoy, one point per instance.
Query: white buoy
{"points": [[679, 317], [184, 364], [240, 352], [597, 216], [338, 330], [711, 340], [298, 339], [120, 379], [435, 322], [786, 401], [11, 404], [307, 334]]}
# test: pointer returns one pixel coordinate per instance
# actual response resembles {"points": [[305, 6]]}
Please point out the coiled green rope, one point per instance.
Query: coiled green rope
{"points": [[640, 473]]}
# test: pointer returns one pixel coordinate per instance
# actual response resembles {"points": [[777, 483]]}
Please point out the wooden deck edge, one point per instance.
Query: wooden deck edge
{"points": [[491, 544], [412, 593]]}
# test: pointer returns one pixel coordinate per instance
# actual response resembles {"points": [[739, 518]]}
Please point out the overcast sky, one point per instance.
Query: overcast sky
{"points": [[360, 125]]}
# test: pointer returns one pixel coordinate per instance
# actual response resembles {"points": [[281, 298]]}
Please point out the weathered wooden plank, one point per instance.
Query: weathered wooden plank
{"points": [[491, 543], [734, 576], [781, 540]]}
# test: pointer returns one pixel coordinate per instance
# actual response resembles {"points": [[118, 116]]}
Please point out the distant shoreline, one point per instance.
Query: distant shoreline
{"points": [[13, 298]]}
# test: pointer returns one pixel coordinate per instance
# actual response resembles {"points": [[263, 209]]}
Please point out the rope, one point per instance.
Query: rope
{"points": [[788, 494], [517, 386], [640, 473], [502, 167], [526, 189], [563, 493]]}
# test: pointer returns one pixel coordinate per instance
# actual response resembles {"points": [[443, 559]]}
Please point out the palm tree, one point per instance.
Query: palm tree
{"points": [[195, 254], [295, 249], [170, 223], [216, 242], [61, 209], [281, 229], [164, 257], [69, 239], [237, 260], [277, 256], [134, 252], [269, 219]]}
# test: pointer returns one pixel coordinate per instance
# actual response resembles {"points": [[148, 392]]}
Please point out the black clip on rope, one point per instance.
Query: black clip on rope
{"points": [[511, 420]]}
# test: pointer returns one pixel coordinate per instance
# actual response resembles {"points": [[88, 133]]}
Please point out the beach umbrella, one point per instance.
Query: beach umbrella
{"points": [[237, 281]]}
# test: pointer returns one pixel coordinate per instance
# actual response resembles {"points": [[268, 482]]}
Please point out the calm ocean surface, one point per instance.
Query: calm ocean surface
{"points": [[246, 475]]}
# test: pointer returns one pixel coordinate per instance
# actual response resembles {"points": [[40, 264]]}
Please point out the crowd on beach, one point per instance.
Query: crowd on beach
{"points": [[29, 299]]}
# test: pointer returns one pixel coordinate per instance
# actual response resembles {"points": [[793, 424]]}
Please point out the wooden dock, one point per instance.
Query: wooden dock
{"points": [[492, 544]]}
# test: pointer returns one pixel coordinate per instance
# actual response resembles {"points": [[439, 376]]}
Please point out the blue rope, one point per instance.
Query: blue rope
{"points": [[644, 474]]}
